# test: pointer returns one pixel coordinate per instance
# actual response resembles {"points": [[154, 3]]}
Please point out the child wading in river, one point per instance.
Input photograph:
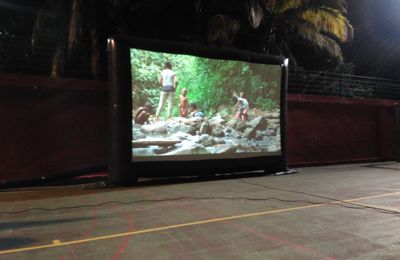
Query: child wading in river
{"points": [[194, 112], [243, 106]]}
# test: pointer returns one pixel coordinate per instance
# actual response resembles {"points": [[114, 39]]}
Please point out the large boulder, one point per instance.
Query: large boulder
{"points": [[195, 122], [156, 128], [236, 134], [271, 131], [250, 133], [189, 148], [259, 123], [241, 126], [225, 149], [228, 130], [273, 148], [274, 121], [216, 120], [181, 136], [205, 128], [218, 131], [137, 134], [219, 140], [194, 139], [260, 134], [137, 152], [207, 140], [181, 128], [232, 123], [248, 145]]}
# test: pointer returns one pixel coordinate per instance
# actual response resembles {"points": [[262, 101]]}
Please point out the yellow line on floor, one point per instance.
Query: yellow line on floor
{"points": [[389, 210], [372, 197], [150, 230]]}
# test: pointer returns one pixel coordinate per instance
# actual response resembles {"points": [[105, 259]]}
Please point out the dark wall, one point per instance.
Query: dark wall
{"points": [[51, 127], [327, 130]]}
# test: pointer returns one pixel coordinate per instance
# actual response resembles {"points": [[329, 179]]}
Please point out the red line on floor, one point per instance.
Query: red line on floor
{"points": [[269, 237]]}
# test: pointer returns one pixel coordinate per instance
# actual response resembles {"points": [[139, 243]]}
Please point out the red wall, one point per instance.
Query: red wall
{"points": [[51, 127], [328, 130]]}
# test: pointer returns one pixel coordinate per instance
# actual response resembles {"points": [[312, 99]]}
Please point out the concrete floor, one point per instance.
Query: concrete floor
{"points": [[335, 212]]}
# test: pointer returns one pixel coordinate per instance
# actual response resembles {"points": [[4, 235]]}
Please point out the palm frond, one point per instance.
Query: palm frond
{"points": [[309, 33], [331, 21], [255, 12], [281, 6]]}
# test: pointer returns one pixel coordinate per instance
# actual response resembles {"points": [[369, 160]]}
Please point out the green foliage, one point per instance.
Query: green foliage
{"points": [[210, 83]]}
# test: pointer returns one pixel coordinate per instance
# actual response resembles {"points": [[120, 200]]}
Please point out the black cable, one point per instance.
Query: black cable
{"points": [[356, 206], [154, 201], [342, 202]]}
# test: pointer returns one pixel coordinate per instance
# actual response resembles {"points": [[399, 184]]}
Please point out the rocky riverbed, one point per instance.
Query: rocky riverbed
{"points": [[196, 136]]}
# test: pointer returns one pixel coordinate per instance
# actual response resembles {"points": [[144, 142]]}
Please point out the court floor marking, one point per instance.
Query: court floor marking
{"points": [[58, 243], [377, 207]]}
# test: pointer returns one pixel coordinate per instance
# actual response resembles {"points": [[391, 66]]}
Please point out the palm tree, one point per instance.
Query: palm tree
{"points": [[15, 18], [282, 24], [76, 32], [319, 23]]}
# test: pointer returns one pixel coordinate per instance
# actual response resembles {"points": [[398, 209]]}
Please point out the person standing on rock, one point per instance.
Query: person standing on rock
{"points": [[168, 82], [243, 105], [184, 103]]}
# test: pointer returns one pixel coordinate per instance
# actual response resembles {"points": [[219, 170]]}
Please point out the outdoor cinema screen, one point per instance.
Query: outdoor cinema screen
{"points": [[187, 107]]}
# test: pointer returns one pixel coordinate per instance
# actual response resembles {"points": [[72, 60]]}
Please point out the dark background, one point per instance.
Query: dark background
{"points": [[374, 51], [375, 48]]}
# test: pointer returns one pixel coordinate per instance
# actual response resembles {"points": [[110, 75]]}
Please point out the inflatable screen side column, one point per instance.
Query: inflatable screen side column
{"points": [[120, 114]]}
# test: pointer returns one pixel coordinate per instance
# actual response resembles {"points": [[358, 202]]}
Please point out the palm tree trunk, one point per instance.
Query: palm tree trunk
{"points": [[57, 63], [95, 54], [75, 25]]}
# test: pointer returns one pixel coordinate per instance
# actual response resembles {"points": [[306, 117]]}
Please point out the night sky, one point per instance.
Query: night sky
{"points": [[375, 49]]}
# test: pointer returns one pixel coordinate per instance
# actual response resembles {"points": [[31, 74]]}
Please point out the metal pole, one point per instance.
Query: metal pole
{"points": [[397, 130]]}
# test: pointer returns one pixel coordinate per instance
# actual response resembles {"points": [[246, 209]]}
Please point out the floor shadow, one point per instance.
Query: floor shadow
{"points": [[392, 166], [26, 224], [156, 181], [15, 242], [159, 181]]}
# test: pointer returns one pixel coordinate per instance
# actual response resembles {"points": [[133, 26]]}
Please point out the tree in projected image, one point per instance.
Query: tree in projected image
{"points": [[210, 83]]}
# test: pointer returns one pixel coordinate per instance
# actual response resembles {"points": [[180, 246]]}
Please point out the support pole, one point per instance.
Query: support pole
{"points": [[120, 93], [397, 130]]}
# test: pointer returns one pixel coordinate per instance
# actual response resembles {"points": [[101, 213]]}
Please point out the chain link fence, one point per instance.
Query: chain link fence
{"points": [[331, 84]]}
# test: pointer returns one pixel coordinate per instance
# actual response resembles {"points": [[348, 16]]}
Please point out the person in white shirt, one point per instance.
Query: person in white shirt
{"points": [[243, 106], [169, 82]]}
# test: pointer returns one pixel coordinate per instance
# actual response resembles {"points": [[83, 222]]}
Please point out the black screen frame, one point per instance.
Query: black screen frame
{"points": [[123, 170]]}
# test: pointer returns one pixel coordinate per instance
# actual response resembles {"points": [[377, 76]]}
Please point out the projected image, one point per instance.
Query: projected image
{"points": [[187, 107]]}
